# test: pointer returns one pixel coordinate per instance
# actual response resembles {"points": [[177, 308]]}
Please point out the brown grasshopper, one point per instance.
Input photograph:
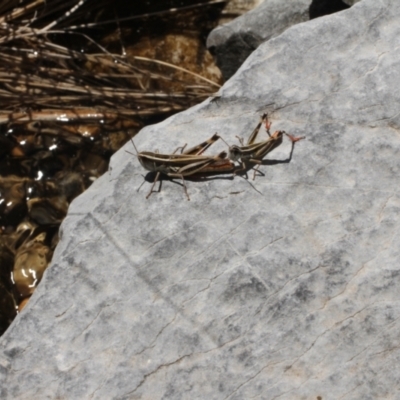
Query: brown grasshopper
{"points": [[189, 162], [253, 153]]}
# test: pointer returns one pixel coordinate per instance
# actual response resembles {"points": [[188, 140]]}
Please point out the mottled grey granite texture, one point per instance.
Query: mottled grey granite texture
{"points": [[291, 294], [233, 42]]}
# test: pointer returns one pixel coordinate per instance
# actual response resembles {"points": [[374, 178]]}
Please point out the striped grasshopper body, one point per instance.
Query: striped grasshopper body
{"points": [[253, 153], [188, 163]]}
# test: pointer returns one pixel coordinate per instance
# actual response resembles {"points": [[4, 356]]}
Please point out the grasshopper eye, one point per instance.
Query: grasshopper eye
{"points": [[234, 153]]}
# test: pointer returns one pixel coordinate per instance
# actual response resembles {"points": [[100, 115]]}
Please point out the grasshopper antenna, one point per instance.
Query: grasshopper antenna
{"points": [[223, 140], [135, 149]]}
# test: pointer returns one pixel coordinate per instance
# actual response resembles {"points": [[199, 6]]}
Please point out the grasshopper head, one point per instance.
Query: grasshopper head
{"points": [[145, 161], [278, 134], [234, 152]]}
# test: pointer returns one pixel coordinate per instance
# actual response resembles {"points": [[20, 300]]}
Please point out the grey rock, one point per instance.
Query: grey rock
{"points": [[233, 42], [284, 287]]}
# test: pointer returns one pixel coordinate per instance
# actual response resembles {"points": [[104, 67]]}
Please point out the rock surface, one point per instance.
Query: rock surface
{"points": [[285, 289], [233, 42]]}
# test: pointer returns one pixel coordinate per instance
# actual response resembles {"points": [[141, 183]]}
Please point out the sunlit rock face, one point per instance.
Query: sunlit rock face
{"points": [[233, 42], [283, 287]]}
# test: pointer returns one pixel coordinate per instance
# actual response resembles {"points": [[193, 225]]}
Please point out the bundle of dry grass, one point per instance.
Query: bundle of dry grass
{"points": [[40, 71]]}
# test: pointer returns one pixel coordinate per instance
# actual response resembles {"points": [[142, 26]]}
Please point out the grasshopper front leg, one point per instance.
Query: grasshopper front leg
{"points": [[152, 186], [170, 175]]}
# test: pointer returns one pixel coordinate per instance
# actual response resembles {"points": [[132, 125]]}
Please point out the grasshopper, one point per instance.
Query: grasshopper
{"points": [[189, 162], [253, 153]]}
